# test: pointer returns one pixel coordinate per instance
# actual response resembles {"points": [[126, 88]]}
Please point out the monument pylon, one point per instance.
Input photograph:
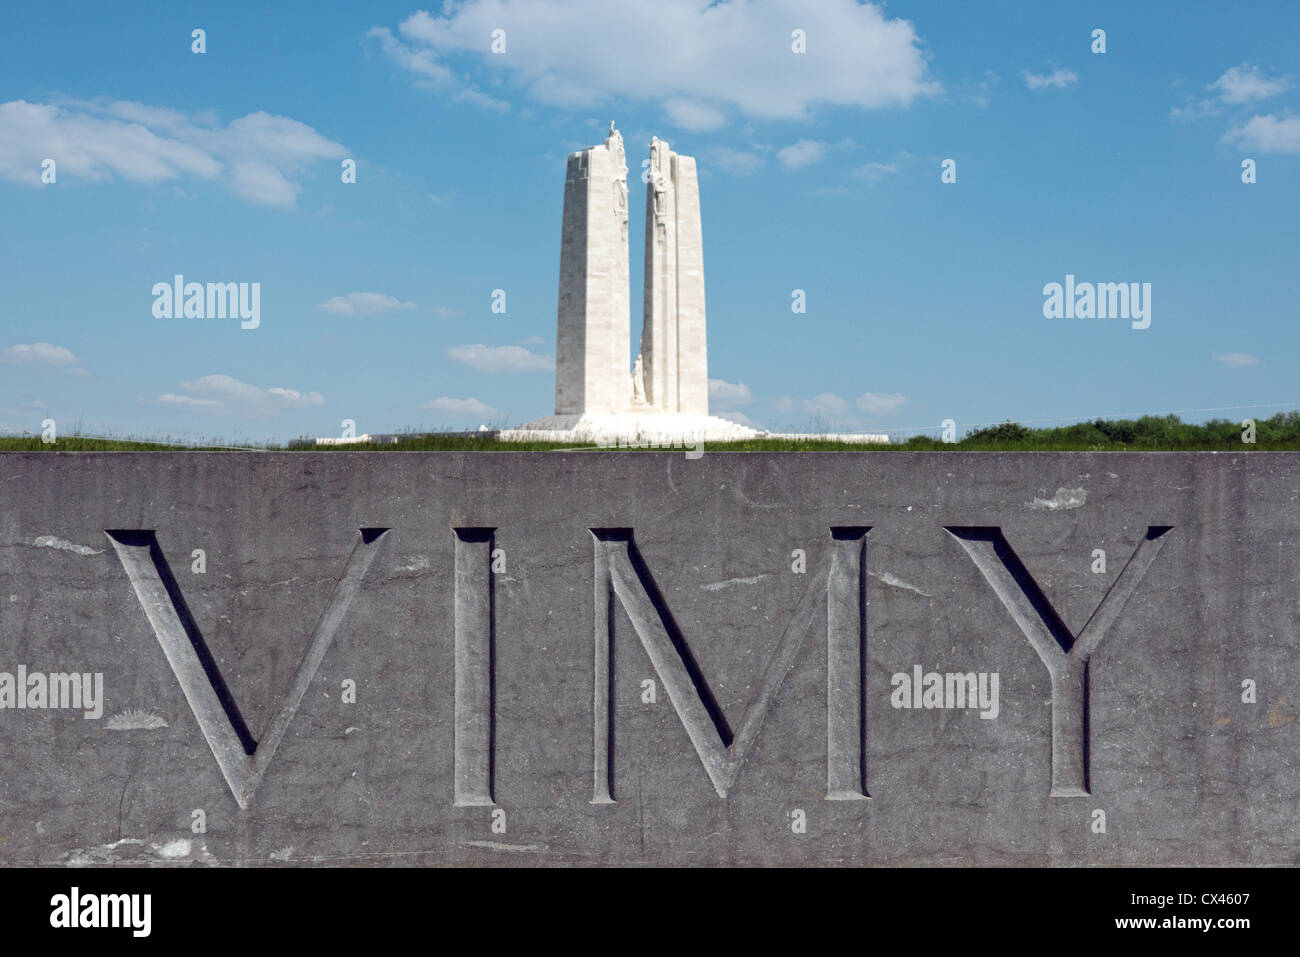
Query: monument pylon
{"points": [[664, 398], [673, 346], [593, 328]]}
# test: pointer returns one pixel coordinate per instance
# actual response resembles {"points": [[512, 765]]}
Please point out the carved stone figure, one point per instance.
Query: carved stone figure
{"points": [[638, 383]]}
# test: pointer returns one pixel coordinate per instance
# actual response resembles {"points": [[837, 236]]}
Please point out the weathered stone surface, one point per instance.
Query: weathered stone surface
{"points": [[593, 331], [613, 569], [673, 343]]}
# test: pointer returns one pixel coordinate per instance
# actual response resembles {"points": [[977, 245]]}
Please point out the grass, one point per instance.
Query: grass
{"points": [[429, 443], [1146, 434], [78, 443]]}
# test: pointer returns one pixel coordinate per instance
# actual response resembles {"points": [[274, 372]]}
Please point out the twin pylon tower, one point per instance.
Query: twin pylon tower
{"points": [[594, 327], [664, 399]]}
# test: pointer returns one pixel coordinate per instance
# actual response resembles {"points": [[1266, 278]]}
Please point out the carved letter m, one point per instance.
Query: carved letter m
{"points": [[838, 577]]}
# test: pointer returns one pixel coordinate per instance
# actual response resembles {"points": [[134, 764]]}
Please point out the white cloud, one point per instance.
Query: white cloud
{"points": [[1196, 110], [696, 117], [826, 403], [737, 162], [1056, 80], [1240, 84], [500, 358], [189, 402], [830, 412], [446, 312], [980, 93], [256, 156], [1236, 360], [880, 403], [431, 73], [1268, 134], [420, 62], [461, 407], [485, 101], [697, 61], [222, 393], [874, 172], [724, 395], [262, 184], [40, 353], [363, 304], [801, 154]]}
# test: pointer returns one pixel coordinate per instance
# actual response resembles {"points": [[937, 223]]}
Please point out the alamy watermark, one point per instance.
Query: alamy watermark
{"points": [[1102, 300], [694, 446], [75, 909], [179, 299], [80, 691], [953, 690]]}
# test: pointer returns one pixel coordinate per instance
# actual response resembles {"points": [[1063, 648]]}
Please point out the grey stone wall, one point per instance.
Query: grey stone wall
{"points": [[644, 658]]}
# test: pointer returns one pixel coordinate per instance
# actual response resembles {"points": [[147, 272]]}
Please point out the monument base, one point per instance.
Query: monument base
{"points": [[631, 429], [642, 429]]}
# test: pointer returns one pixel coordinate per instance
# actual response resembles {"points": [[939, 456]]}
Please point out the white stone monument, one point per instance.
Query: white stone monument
{"points": [[591, 349], [664, 400], [676, 376]]}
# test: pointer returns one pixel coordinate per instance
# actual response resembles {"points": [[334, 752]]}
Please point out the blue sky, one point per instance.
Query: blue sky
{"points": [[819, 171]]}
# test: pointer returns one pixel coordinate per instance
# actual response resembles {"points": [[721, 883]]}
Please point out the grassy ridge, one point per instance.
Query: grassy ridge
{"points": [[428, 443], [1149, 433], [78, 443]]}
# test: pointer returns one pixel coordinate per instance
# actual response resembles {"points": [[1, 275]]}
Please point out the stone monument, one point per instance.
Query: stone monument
{"points": [[593, 331], [664, 400], [672, 339]]}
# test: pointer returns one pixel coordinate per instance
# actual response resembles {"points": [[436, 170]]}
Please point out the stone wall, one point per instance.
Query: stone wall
{"points": [[598, 657]]}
